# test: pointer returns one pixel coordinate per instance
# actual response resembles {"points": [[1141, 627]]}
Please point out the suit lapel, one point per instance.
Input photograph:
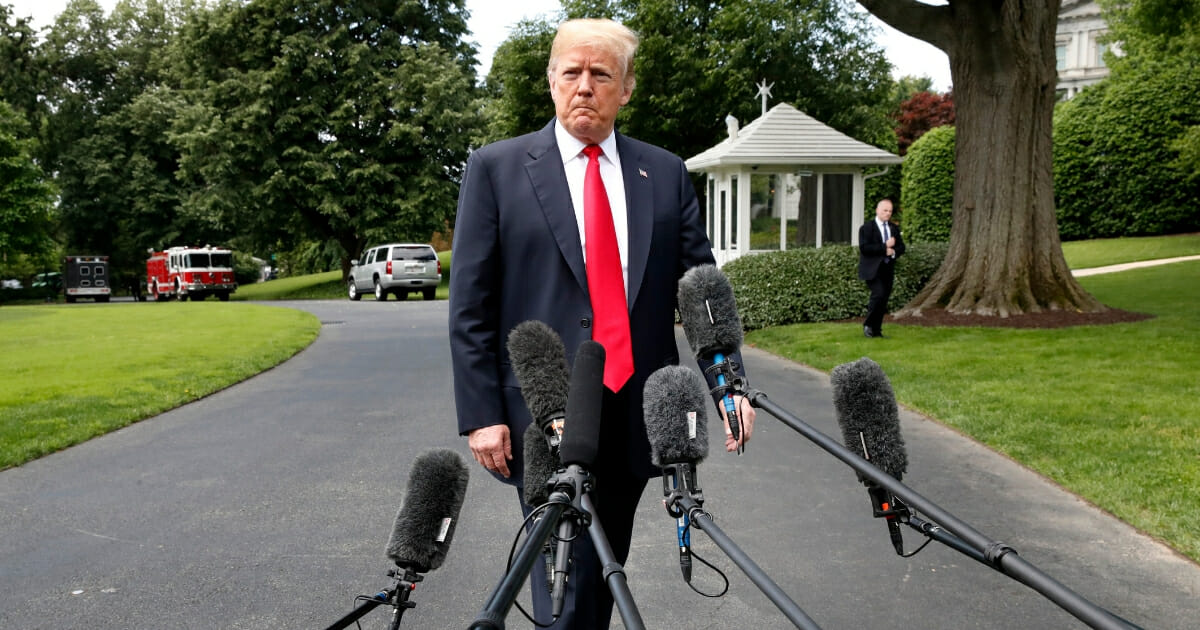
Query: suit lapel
{"points": [[549, 181], [639, 205]]}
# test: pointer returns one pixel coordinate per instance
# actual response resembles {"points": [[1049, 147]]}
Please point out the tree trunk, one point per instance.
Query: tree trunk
{"points": [[1005, 257]]}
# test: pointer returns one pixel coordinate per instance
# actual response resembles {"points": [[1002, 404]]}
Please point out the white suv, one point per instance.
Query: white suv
{"points": [[397, 268]]}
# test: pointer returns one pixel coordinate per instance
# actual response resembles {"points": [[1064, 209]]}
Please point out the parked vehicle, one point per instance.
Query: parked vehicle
{"points": [[397, 269], [86, 276], [190, 272]]}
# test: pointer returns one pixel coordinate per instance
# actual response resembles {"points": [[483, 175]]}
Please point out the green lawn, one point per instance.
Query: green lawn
{"points": [[1113, 251], [79, 371], [1110, 412]]}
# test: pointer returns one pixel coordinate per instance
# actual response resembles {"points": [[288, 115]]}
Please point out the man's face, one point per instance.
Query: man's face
{"points": [[883, 211], [588, 88]]}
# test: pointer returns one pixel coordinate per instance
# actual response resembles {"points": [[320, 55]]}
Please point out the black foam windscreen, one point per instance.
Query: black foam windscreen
{"points": [[674, 402], [868, 415], [708, 312], [425, 523], [539, 361], [581, 431], [540, 466]]}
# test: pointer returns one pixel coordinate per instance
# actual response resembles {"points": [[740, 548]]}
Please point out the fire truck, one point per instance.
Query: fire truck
{"points": [[190, 272], [86, 276]]}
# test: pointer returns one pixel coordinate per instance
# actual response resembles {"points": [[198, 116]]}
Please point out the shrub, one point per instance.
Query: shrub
{"points": [[813, 285], [927, 187], [1118, 169]]}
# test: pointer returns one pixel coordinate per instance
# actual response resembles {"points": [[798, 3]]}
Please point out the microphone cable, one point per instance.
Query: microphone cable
{"points": [[692, 551], [534, 514]]}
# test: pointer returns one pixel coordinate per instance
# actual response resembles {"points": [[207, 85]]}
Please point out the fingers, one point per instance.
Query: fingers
{"points": [[746, 415], [492, 448]]}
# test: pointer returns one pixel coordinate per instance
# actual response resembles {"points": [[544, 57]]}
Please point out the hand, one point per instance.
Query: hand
{"points": [[891, 252], [745, 414], [491, 447], [891, 242]]}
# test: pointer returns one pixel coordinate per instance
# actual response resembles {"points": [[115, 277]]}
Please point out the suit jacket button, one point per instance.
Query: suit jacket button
{"points": [[585, 323]]}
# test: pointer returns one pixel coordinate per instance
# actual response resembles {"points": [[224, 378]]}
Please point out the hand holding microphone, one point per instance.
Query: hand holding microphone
{"points": [[714, 331]]}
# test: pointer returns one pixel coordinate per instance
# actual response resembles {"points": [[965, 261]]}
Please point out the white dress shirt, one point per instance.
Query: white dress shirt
{"points": [[575, 162]]}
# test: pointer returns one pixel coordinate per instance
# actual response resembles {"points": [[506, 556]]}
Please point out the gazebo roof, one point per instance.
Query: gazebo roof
{"points": [[786, 136]]}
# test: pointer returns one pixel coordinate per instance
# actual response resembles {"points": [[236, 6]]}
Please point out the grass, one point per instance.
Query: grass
{"points": [[76, 372], [1112, 413], [1113, 251]]}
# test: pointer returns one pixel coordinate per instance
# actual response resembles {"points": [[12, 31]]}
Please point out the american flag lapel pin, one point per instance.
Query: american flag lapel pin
{"points": [[642, 172]]}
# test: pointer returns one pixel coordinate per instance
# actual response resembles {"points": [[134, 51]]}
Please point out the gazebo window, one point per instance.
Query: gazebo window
{"points": [[766, 210], [835, 218]]}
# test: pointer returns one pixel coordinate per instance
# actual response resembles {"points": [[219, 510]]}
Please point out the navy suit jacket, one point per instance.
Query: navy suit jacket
{"points": [[517, 257], [872, 251]]}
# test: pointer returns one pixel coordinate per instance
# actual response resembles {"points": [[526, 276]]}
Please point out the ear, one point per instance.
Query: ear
{"points": [[626, 93]]}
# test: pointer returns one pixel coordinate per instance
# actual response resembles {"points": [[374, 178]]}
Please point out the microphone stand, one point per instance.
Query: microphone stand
{"points": [[405, 581], [998, 555], [571, 489], [684, 496]]}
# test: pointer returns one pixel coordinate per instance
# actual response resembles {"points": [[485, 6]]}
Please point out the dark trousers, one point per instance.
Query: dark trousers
{"points": [[881, 291], [588, 603]]}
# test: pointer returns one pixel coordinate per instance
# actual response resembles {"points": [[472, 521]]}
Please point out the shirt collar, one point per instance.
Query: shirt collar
{"points": [[570, 147]]}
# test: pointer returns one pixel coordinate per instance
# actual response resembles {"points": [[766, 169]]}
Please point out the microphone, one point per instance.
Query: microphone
{"points": [[870, 422], [580, 444], [425, 523], [581, 438], [714, 330], [673, 403], [540, 365]]}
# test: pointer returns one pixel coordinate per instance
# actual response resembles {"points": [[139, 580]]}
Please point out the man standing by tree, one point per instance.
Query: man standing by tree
{"points": [[879, 245]]}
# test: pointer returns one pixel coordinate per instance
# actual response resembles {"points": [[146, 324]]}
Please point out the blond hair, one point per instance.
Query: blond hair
{"points": [[602, 34]]}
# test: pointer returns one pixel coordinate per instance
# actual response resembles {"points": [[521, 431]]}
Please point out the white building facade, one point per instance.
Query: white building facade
{"points": [[1078, 47]]}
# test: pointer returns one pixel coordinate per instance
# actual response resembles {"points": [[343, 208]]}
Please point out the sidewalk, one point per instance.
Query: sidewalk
{"points": [[1079, 273]]}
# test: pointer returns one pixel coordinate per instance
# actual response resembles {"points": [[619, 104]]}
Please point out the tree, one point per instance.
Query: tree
{"points": [[26, 197], [346, 122], [1005, 256], [112, 106], [920, 113], [21, 72]]}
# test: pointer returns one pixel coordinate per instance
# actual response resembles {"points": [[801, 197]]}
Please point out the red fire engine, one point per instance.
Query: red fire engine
{"points": [[190, 272]]}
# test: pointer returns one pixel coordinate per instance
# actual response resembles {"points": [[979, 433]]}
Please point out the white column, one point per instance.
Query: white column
{"points": [[858, 193], [820, 207]]}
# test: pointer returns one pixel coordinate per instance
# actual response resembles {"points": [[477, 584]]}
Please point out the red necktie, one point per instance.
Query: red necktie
{"points": [[610, 313]]}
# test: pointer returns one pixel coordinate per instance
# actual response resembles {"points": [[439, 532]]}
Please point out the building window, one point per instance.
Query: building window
{"points": [[1060, 57], [1100, 48]]}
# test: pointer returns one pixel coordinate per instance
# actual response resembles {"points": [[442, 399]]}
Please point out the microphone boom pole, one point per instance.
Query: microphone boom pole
{"points": [[998, 555], [683, 499]]}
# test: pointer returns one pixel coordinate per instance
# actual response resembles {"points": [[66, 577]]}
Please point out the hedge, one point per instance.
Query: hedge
{"points": [[927, 187], [814, 285], [1117, 153]]}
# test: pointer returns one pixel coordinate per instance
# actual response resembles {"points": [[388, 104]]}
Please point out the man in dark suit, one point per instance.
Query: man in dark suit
{"points": [[879, 245], [525, 242]]}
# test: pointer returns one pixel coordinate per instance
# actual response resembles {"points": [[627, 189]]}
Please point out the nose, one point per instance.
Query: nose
{"points": [[586, 83]]}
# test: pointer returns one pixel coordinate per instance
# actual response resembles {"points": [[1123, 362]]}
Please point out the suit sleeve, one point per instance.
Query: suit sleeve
{"points": [[899, 243], [474, 302]]}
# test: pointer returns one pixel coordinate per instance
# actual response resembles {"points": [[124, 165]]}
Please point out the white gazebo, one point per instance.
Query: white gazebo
{"points": [[785, 181]]}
